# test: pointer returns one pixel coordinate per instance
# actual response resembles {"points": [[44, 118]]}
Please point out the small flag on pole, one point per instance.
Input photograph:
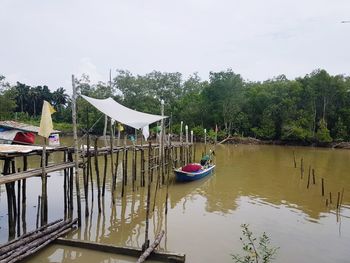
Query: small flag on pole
{"points": [[46, 126]]}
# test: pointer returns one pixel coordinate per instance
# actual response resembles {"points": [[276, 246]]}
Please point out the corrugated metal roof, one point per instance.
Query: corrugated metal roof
{"points": [[22, 126]]}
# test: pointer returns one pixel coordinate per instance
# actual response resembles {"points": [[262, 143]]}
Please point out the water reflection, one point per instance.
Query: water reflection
{"points": [[252, 184]]}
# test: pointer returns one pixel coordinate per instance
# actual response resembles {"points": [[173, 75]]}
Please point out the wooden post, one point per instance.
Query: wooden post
{"points": [[114, 180], [322, 190], [205, 141], [75, 136], [71, 181], [89, 169], [194, 152], [313, 176], [181, 131], [9, 194], [168, 180], [308, 180], [86, 168], [123, 172], [295, 162], [148, 204], [133, 168], [330, 197], [24, 195], [126, 167], [301, 168], [338, 201], [142, 167], [97, 177], [161, 145], [38, 212], [18, 207], [44, 204], [24, 188], [341, 198], [104, 174]]}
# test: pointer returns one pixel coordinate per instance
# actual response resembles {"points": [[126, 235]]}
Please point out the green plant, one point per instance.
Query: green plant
{"points": [[255, 250]]}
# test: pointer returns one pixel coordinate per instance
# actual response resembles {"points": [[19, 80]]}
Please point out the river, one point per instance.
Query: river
{"points": [[253, 184]]}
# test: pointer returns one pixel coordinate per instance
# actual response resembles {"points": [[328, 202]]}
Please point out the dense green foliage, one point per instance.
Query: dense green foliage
{"points": [[255, 250], [314, 108]]}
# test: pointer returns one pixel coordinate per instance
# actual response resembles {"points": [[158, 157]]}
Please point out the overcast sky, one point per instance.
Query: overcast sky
{"points": [[44, 42]]}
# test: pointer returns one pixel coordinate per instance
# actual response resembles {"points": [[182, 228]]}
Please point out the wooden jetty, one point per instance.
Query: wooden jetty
{"points": [[149, 164]]}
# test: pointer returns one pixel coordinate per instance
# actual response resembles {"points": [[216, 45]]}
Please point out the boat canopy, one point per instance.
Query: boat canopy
{"points": [[122, 114]]}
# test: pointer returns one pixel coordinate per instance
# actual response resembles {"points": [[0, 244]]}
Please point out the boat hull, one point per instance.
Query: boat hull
{"points": [[182, 176]]}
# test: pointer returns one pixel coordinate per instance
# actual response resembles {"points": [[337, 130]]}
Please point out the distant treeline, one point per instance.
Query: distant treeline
{"points": [[313, 108]]}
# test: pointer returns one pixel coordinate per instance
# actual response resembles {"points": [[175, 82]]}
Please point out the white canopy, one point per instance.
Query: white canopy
{"points": [[122, 114]]}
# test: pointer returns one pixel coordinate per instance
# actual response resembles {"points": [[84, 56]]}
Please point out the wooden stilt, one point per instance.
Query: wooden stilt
{"points": [[76, 157], [148, 204], [97, 178], [104, 174], [38, 211], [322, 187]]}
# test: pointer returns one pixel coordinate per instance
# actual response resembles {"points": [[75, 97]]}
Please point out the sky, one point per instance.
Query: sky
{"points": [[45, 42]]}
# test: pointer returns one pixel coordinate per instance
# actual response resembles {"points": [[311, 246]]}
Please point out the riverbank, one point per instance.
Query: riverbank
{"points": [[255, 141]]}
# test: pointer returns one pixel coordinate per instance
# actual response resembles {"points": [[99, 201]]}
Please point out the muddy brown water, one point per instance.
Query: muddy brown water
{"points": [[255, 185]]}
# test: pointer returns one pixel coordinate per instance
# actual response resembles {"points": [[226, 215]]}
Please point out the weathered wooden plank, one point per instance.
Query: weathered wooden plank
{"points": [[128, 251], [34, 172]]}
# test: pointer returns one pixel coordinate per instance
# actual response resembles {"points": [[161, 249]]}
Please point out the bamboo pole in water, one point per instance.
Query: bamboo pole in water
{"points": [[322, 187], [65, 185], [18, 207], [76, 157], [38, 211], [330, 197], [142, 159], [44, 203], [24, 186], [295, 162], [97, 178], [205, 141], [313, 176], [14, 196], [341, 197], [9, 193], [104, 174], [133, 168], [338, 200], [86, 166], [112, 148], [302, 168], [148, 204], [308, 180], [71, 181], [126, 167]]}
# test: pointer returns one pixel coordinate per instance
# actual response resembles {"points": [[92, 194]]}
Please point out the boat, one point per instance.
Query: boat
{"points": [[184, 176]]}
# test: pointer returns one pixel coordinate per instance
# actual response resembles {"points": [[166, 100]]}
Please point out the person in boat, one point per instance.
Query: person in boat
{"points": [[207, 159]]}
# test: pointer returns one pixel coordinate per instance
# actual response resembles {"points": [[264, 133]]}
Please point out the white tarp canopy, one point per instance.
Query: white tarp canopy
{"points": [[122, 114]]}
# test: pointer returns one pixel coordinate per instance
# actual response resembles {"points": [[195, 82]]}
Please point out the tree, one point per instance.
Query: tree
{"points": [[7, 101]]}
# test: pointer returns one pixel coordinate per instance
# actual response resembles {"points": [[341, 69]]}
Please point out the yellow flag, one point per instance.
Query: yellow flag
{"points": [[46, 126], [120, 127]]}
